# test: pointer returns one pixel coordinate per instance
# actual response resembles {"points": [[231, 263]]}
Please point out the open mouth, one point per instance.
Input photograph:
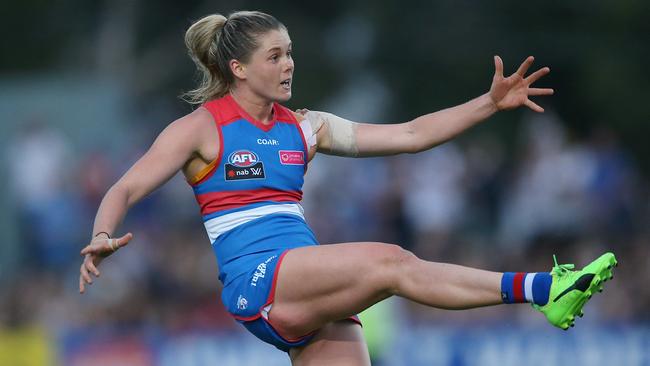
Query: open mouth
{"points": [[286, 84]]}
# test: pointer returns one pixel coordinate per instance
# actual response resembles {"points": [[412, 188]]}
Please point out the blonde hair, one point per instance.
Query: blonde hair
{"points": [[214, 40]]}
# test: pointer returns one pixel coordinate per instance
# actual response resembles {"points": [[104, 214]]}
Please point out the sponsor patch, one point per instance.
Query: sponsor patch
{"points": [[273, 142], [244, 164], [292, 157]]}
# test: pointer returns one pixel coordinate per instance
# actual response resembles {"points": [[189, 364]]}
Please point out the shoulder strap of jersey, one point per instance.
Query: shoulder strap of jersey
{"points": [[285, 114], [222, 110]]}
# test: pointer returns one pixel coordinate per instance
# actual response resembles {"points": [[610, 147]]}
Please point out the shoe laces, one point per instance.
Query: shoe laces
{"points": [[562, 269]]}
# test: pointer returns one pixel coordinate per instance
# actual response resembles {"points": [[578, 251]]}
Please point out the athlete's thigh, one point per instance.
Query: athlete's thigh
{"points": [[337, 343], [320, 284]]}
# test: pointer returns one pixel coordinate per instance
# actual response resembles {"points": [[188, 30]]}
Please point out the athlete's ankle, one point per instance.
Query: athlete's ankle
{"points": [[521, 287]]}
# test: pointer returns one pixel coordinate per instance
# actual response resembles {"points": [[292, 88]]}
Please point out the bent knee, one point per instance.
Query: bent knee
{"points": [[393, 255], [388, 266]]}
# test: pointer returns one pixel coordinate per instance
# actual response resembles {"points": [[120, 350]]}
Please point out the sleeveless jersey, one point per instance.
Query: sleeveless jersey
{"points": [[250, 195]]}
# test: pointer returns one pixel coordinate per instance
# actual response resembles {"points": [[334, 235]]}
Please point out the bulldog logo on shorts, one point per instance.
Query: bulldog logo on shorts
{"points": [[242, 303], [244, 164]]}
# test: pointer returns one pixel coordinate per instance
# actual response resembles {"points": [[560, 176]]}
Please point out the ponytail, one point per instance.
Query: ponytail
{"points": [[214, 40], [201, 40]]}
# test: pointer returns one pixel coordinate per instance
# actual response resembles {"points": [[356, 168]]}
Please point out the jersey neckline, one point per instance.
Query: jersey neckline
{"points": [[264, 127]]}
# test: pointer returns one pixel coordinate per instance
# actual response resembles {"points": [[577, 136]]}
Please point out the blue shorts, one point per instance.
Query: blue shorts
{"points": [[249, 298]]}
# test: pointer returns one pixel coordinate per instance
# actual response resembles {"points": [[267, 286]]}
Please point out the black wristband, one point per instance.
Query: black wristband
{"points": [[103, 232]]}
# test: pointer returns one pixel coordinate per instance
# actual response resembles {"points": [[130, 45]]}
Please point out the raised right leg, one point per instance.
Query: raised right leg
{"points": [[320, 284]]}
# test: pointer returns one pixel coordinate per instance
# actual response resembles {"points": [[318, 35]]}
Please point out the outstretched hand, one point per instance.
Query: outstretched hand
{"points": [[94, 253], [513, 91]]}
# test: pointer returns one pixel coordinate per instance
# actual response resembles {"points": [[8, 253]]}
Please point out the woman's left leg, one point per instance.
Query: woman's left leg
{"points": [[337, 343]]}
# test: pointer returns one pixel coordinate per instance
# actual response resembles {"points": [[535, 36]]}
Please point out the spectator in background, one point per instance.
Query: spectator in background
{"points": [[39, 173], [549, 191]]}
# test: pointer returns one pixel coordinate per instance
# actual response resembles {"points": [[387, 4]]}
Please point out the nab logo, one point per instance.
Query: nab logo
{"points": [[242, 165], [243, 158]]}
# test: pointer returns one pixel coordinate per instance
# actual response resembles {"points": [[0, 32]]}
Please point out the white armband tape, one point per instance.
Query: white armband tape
{"points": [[341, 132], [309, 133]]}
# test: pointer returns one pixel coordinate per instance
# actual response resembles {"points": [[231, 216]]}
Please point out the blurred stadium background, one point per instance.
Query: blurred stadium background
{"points": [[85, 86]]}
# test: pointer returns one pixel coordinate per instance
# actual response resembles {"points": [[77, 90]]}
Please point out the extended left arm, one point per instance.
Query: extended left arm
{"points": [[337, 136], [424, 132]]}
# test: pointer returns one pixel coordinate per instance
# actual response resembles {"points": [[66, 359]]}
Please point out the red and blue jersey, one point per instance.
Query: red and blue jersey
{"points": [[250, 195]]}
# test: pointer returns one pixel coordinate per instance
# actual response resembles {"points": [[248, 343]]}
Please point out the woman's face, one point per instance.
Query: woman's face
{"points": [[269, 71]]}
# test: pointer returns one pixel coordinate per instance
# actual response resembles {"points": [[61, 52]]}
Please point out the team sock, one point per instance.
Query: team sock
{"points": [[518, 287]]}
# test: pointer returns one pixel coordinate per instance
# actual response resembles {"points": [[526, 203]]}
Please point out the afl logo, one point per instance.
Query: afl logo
{"points": [[243, 158], [242, 165]]}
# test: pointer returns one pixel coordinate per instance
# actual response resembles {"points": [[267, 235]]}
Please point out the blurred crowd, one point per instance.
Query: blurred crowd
{"points": [[93, 84], [474, 201]]}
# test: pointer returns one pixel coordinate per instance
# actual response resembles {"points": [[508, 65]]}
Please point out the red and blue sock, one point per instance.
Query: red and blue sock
{"points": [[518, 287]]}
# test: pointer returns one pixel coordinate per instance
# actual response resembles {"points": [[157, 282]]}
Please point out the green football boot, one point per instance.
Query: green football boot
{"points": [[570, 290]]}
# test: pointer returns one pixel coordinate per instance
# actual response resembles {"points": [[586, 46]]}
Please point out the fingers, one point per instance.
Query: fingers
{"points": [[82, 286], [523, 68], [87, 267], [96, 250], [537, 74], [106, 246], [124, 240], [90, 266], [540, 91], [532, 105], [302, 111], [84, 278], [96, 247], [525, 65], [498, 67]]}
